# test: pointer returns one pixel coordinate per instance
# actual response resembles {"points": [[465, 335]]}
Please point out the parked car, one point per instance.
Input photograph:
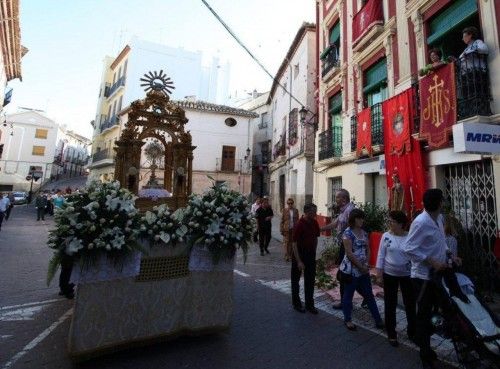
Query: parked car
{"points": [[20, 198]]}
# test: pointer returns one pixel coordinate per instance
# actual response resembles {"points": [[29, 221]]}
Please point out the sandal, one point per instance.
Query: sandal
{"points": [[350, 326]]}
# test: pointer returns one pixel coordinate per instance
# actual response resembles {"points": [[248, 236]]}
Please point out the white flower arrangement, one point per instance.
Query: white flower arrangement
{"points": [[220, 221], [161, 226], [101, 220]]}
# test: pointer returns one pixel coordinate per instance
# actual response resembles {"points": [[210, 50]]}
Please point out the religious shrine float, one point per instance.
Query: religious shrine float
{"points": [[156, 266]]}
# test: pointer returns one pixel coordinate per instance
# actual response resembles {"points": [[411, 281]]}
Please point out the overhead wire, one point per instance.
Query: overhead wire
{"points": [[231, 32]]}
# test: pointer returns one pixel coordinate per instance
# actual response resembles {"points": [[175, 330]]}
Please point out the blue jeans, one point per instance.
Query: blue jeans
{"points": [[364, 286]]}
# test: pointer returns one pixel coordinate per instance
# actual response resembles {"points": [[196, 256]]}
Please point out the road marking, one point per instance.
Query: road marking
{"points": [[267, 265], [37, 339], [236, 271], [20, 314], [36, 303]]}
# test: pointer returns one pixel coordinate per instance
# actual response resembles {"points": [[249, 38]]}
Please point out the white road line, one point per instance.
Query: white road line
{"points": [[267, 265], [25, 313], [37, 303], [37, 340], [236, 271]]}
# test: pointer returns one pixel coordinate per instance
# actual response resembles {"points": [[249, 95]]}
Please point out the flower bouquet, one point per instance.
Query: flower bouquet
{"points": [[220, 221], [101, 221], [162, 227]]}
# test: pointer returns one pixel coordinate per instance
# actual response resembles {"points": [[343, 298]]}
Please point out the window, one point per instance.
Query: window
{"points": [[335, 184], [375, 83], [293, 126], [38, 150], [120, 73], [284, 88], [125, 67], [41, 133], [335, 122], [120, 103], [263, 121], [109, 111], [296, 70], [228, 158], [114, 78], [114, 108], [230, 122]]}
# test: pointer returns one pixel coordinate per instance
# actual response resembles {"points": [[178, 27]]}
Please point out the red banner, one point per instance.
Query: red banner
{"points": [[364, 132], [370, 15], [397, 121], [408, 165], [438, 105]]}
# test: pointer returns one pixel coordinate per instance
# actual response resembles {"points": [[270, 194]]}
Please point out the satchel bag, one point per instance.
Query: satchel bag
{"points": [[344, 277]]}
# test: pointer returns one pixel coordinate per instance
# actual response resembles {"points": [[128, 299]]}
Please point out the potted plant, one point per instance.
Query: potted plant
{"points": [[375, 225]]}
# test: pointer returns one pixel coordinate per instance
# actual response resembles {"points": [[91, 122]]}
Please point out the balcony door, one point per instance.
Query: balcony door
{"points": [[228, 158]]}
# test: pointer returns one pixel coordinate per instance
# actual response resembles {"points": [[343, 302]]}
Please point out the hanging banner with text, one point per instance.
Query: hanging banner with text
{"points": [[438, 106]]}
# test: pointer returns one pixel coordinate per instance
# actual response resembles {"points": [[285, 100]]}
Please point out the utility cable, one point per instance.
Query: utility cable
{"points": [[231, 32]]}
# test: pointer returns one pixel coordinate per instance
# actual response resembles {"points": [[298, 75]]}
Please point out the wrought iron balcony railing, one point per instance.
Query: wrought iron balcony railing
{"points": [[330, 143], [108, 123], [102, 155], [331, 60], [354, 132], [120, 82], [473, 85], [377, 124]]}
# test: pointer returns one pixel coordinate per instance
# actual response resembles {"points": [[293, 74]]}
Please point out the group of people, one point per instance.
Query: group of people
{"points": [[406, 261], [46, 201]]}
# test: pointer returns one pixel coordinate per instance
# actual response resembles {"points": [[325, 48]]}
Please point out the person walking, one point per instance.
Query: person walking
{"points": [[253, 211], [264, 215], [393, 272], [426, 248], [4, 205], [289, 217], [305, 241], [40, 204], [344, 206], [11, 205], [354, 269]]}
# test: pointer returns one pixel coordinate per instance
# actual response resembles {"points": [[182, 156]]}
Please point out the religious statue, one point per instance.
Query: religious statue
{"points": [[154, 152], [397, 194]]}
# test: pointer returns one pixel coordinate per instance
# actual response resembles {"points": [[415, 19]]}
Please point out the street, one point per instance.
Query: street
{"points": [[265, 332]]}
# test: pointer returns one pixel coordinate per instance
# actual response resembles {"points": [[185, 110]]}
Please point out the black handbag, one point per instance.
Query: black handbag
{"points": [[344, 277]]}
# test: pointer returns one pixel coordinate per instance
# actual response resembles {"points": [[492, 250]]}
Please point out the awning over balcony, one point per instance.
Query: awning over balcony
{"points": [[450, 18]]}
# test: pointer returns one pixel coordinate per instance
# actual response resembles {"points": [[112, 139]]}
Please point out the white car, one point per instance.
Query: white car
{"points": [[20, 198]]}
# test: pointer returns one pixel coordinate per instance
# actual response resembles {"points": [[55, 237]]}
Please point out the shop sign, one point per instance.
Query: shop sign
{"points": [[476, 138]]}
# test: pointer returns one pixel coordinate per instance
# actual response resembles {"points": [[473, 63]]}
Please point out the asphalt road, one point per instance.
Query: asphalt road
{"points": [[265, 332]]}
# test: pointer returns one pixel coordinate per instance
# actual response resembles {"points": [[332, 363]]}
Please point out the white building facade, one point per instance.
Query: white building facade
{"points": [[31, 142], [291, 167], [71, 154]]}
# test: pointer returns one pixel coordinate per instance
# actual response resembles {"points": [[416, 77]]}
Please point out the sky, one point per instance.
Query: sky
{"points": [[68, 39]]}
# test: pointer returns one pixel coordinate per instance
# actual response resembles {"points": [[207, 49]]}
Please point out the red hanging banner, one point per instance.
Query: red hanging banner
{"points": [[397, 122], [438, 105], [407, 164], [364, 132], [370, 15]]}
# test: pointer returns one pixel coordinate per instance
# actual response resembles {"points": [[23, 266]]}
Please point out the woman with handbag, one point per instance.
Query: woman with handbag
{"points": [[393, 272], [354, 269]]}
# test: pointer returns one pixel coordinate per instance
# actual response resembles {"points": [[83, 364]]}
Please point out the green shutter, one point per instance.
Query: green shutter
{"points": [[335, 33], [451, 17], [375, 76], [335, 103]]}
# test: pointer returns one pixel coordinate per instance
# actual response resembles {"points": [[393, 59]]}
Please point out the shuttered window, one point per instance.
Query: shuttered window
{"points": [[38, 150], [450, 18], [41, 133]]}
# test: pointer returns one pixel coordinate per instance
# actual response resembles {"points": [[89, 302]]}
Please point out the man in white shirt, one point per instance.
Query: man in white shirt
{"points": [[425, 246], [4, 205]]}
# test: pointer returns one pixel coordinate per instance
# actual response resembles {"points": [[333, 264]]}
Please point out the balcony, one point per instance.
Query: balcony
{"points": [[108, 123], [473, 86], [367, 24], [106, 89], [330, 144], [329, 60], [119, 83], [377, 124], [279, 148], [103, 158]]}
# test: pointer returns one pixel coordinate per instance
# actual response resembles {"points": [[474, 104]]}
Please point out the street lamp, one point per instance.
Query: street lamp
{"points": [[303, 114], [248, 153]]}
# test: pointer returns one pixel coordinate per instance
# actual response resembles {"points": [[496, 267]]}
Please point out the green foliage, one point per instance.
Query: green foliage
{"points": [[327, 260], [375, 217]]}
